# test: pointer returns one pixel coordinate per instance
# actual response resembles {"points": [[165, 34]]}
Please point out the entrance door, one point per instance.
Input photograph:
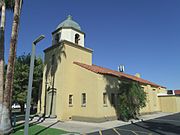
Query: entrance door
{"points": [[51, 103]]}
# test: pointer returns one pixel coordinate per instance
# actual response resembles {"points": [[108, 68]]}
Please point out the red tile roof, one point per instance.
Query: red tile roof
{"points": [[101, 70], [177, 92]]}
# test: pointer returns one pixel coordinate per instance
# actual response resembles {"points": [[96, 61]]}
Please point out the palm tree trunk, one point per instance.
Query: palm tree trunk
{"points": [[2, 26], [10, 69], [12, 54], [3, 14]]}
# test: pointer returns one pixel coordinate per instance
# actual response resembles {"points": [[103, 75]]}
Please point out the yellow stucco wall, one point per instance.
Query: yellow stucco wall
{"points": [[153, 103], [70, 79], [178, 103], [170, 103], [107, 84]]}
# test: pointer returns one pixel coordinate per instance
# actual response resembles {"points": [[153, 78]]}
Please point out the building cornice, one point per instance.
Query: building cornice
{"points": [[67, 28], [65, 42]]}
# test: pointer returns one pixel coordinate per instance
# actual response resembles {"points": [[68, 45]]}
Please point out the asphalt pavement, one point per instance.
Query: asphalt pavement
{"points": [[166, 125]]}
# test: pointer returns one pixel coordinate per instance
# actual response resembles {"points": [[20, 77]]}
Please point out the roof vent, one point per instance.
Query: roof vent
{"points": [[121, 68], [138, 75]]}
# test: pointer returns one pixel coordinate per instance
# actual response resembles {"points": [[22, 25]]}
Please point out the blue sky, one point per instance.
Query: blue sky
{"points": [[144, 35]]}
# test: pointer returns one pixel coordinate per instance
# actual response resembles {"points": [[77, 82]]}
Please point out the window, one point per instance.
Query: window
{"points": [[104, 98], [112, 99], [77, 38], [169, 92], [53, 59], [118, 98], [57, 37], [70, 100], [83, 99]]}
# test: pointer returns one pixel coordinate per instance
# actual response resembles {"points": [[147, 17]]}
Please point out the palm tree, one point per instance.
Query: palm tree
{"points": [[3, 8], [12, 52], [2, 25], [6, 128], [4, 4]]}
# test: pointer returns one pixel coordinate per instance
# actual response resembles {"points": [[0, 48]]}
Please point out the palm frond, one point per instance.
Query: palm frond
{"points": [[10, 4], [1, 3]]}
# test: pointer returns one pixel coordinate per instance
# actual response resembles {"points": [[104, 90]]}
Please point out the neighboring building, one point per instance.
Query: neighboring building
{"points": [[74, 88], [177, 92], [174, 92]]}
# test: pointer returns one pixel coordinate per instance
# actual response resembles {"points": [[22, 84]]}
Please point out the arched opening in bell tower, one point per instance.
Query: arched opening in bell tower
{"points": [[77, 38]]}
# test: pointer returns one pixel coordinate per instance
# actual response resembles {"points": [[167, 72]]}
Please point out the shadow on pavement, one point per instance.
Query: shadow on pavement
{"points": [[148, 128], [46, 128], [21, 125], [160, 128]]}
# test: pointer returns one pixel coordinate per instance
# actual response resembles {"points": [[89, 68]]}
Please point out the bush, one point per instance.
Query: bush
{"points": [[132, 99]]}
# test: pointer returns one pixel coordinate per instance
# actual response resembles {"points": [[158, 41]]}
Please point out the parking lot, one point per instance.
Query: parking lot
{"points": [[167, 125]]}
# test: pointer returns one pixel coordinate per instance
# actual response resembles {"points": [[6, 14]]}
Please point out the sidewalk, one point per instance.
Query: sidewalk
{"points": [[87, 127]]}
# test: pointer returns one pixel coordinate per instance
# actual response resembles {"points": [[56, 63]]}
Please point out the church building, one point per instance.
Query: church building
{"points": [[75, 89]]}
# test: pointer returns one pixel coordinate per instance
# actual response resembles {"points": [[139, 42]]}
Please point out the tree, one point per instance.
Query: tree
{"points": [[5, 126], [4, 4], [12, 54], [21, 74], [20, 81], [3, 11], [132, 98]]}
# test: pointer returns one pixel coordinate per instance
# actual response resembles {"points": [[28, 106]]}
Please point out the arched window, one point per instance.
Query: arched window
{"points": [[57, 37], [77, 38]]}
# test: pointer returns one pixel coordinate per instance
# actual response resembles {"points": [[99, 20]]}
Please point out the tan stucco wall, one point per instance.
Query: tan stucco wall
{"points": [[71, 79], [82, 81], [107, 84], [178, 103], [170, 103], [153, 102]]}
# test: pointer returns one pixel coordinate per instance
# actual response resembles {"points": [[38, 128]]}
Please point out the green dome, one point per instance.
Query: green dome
{"points": [[69, 23]]}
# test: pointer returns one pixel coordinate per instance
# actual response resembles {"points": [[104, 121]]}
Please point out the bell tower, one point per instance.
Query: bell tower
{"points": [[68, 30]]}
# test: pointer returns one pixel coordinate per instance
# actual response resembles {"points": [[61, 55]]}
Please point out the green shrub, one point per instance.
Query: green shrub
{"points": [[132, 99]]}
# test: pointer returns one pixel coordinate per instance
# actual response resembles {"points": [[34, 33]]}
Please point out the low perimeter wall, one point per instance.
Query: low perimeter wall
{"points": [[169, 103]]}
